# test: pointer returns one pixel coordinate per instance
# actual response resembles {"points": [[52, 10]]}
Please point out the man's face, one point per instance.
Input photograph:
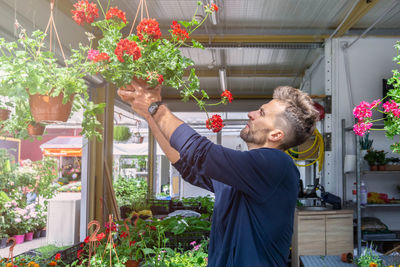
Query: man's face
{"points": [[261, 123]]}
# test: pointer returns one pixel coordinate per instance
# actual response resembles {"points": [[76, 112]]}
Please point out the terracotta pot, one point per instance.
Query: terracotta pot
{"points": [[373, 167], [132, 263], [47, 109], [381, 168], [4, 114], [35, 130]]}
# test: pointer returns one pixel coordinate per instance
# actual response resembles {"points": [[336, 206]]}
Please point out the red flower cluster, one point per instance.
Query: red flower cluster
{"points": [[113, 227], [100, 236], [101, 57], [79, 253], [85, 11], [214, 7], [125, 46], [124, 235], [215, 123], [114, 12], [228, 95], [57, 257], [131, 243], [180, 33], [148, 30], [160, 79]]}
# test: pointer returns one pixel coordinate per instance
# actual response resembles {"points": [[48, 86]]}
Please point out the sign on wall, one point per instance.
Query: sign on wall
{"points": [[13, 147]]}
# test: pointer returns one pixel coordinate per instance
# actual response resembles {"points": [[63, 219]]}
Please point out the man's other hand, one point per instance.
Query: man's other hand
{"points": [[140, 95]]}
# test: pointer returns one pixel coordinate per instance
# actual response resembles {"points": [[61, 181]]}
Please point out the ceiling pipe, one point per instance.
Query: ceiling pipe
{"points": [[344, 19], [346, 46], [222, 79]]}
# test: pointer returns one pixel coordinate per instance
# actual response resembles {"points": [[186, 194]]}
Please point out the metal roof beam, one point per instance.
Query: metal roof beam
{"points": [[235, 38], [362, 8], [245, 73]]}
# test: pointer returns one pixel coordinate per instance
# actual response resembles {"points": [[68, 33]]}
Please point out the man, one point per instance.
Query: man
{"points": [[256, 190]]}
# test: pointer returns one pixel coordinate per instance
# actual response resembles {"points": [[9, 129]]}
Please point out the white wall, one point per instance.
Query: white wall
{"points": [[369, 61]]}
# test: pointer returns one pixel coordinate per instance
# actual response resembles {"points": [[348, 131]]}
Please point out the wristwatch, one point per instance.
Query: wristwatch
{"points": [[154, 107]]}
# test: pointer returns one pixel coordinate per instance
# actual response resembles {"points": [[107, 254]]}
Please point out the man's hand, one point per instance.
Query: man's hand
{"points": [[140, 95]]}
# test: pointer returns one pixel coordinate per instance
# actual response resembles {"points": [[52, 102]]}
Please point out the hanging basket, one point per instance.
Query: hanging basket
{"points": [[132, 263], [47, 109], [4, 114], [36, 129]]}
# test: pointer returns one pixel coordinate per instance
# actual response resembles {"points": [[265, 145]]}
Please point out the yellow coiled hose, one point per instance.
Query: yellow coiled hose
{"points": [[317, 146]]}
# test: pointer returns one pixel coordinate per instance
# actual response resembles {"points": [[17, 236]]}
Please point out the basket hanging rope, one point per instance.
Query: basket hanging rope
{"points": [[142, 4], [52, 26]]}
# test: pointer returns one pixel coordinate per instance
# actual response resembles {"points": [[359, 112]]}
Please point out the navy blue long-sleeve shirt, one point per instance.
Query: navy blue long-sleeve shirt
{"points": [[255, 199]]}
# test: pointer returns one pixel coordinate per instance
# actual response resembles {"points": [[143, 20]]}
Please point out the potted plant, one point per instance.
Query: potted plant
{"points": [[122, 133], [142, 163], [145, 57], [381, 159], [371, 157], [137, 138], [33, 76]]}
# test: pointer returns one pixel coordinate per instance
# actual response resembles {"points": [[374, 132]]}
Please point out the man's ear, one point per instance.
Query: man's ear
{"points": [[276, 135]]}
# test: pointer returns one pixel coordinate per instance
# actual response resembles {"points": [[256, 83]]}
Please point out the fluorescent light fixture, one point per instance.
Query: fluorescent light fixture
{"points": [[222, 79], [214, 18]]}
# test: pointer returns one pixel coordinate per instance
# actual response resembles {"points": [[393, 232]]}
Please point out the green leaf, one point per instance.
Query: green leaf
{"points": [[197, 44]]}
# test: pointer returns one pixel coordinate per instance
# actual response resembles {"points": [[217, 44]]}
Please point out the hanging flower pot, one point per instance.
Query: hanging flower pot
{"points": [[4, 114], [47, 109], [36, 129]]}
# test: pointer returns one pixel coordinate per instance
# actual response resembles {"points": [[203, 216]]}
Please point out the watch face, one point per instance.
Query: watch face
{"points": [[153, 108]]}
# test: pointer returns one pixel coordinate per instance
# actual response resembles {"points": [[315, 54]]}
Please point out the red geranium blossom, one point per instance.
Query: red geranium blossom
{"points": [[85, 11], [125, 46], [79, 252], [114, 12], [215, 123], [86, 239], [214, 7], [100, 236], [113, 227], [57, 257], [101, 57], [148, 30], [178, 31], [160, 79], [124, 235], [131, 243], [228, 95]]}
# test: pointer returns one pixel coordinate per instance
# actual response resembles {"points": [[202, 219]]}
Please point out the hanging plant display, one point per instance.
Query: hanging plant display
{"points": [[145, 57]]}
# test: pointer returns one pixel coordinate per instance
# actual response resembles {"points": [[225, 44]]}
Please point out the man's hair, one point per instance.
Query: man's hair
{"points": [[299, 118]]}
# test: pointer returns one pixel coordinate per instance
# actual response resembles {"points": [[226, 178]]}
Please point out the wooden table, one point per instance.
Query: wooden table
{"points": [[334, 261]]}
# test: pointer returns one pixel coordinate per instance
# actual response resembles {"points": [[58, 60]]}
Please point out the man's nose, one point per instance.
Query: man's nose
{"points": [[251, 115]]}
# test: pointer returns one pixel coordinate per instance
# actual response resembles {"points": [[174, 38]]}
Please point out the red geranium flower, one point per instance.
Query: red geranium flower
{"points": [[178, 31], [114, 12], [160, 79], [57, 257], [125, 46], [78, 254], [215, 123], [124, 235], [113, 227], [148, 30], [101, 57], [228, 95], [86, 239], [85, 11], [100, 236], [214, 7], [131, 243]]}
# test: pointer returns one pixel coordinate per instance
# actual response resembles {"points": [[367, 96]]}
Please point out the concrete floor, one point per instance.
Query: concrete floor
{"points": [[26, 246]]}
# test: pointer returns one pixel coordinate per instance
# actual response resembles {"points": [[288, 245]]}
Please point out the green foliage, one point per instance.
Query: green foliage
{"points": [[370, 157], [179, 225], [368, 257], [365, 143], [129, 190], [121, 133], [30, 69]]}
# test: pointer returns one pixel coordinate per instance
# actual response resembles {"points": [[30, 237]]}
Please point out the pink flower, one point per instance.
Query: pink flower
{"points": [[197, 247], [92, 54], [375, 103], [361, 128], [389, 106], [363, 110], [193, 243]]}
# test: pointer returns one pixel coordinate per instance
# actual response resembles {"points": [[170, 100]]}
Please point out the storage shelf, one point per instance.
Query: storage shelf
{"points": [[380, 172], [382, 205], [141, 173]]}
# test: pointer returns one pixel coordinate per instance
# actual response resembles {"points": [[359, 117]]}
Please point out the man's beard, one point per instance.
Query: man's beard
{"points": [[257, 137]]}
